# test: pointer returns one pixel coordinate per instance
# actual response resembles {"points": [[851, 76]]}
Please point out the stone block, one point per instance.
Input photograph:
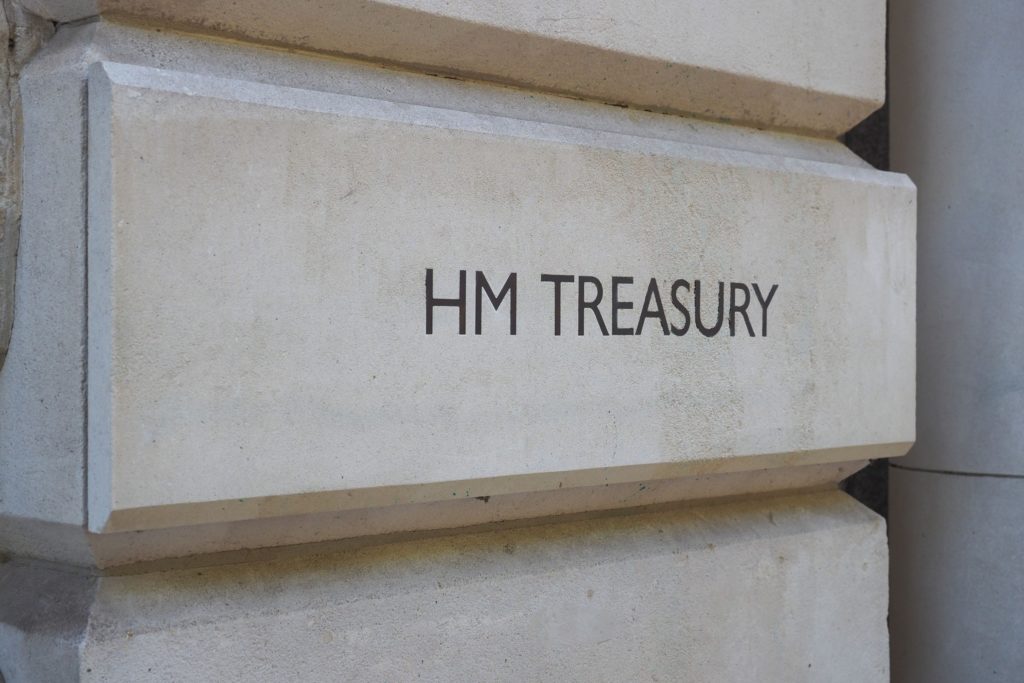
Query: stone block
{"points": [[343, 529], [42, 380], [784, 589], [43, 383], [273, 328], [818, 67]]}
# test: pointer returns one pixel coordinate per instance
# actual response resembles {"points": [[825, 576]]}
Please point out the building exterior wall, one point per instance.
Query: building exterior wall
{"points": [[251, 414]]}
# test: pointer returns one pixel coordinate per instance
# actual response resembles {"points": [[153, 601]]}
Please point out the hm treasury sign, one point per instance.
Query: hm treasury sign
{"points": [[304, 301], [653, 306]]}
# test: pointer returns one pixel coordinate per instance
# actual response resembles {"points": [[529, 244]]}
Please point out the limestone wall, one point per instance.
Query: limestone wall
{"points": [[404, 314]]}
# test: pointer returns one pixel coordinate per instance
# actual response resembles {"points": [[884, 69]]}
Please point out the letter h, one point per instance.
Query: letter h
{"points": [[433, 301]]}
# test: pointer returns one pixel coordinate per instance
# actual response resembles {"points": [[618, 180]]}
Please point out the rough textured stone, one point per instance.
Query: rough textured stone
{"points": [[760, 589], [817, 67], [250, 538], [21, 34], [48, 462], [741, 591], [44, 611], [256, 277], [42, 449], [41, 379]]}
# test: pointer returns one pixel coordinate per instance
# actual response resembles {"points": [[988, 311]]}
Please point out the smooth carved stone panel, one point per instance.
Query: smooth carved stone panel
{"points": [[817, 66], [263, 260]]}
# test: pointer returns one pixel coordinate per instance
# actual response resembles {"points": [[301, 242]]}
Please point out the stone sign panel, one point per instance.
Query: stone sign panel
{"points": [[301, 301]]}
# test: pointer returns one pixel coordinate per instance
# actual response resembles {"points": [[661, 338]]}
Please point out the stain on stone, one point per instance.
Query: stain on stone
{"points": [[37, 599]]}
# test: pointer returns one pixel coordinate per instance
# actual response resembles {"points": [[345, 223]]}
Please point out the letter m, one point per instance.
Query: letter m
{"points": [[484, 288]]}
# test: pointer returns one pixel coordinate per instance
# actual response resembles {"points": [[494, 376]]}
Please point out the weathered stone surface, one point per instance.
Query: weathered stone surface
{"points": [[257, 344], [817, 66], [42, 393], [42, 449], [42, 383], [250, 331], [665, 595], [250, 539], [44, 611], [21, 34]]}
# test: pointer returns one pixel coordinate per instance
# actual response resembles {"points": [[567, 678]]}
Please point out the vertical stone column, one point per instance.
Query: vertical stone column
{"points": [[957, 501]]}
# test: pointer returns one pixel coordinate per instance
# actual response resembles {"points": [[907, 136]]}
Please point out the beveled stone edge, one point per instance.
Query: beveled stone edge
{"points": [[129, 552], [756, 102], [106, 73], [105, 514], [119, 519]]}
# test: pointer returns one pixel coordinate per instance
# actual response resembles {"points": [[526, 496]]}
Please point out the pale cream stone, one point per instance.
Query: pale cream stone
{"points": [[243, 539], [234, 266], [257, 258], [42, 454], [42, 382], [787, 589], [816, 66]]}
